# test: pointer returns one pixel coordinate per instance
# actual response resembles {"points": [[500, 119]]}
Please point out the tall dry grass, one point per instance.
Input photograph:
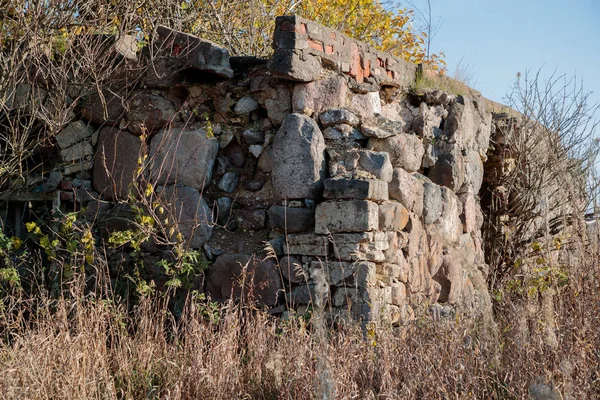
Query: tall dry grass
{"points": [[86, 346]]}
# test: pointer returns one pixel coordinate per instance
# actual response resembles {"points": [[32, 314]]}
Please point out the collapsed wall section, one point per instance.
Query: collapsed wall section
{"points": [[322, 154]]}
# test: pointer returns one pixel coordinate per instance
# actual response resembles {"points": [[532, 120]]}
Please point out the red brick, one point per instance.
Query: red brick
{"points": [[315, 45], [356, 70]]}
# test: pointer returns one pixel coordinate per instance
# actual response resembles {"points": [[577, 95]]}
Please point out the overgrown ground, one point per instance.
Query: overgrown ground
{"points": [[84, 346]]}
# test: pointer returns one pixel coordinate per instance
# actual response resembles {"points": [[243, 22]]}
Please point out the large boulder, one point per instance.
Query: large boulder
{"points": [[116, 162], [299, 165], [182, 156], [243, 276], [187, 213]]}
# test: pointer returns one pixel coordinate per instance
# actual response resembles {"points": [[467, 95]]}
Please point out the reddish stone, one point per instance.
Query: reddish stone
{"points": [[367, 66], [66, 196], [66, 185], [329, 49]]}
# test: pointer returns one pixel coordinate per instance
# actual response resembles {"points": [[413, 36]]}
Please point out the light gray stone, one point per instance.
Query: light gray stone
{"points": [[279, 105], [182, 156], [253, 137], [380, 127], [449, 224], [428, 119], [406, 150], [76, 131], [346, 216], [473, 173], [449, 169], [299, 165], [256, 150], [307, 245], [77, 152], [433, 202], [246, 105], [377, 164], [353, 274], [365, 105], [338, 116], [366, 246]]}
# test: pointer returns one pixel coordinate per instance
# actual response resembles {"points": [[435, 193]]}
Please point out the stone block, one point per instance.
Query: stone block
{"points": [[291, 219], [193, 52], [356, 189], [355, 274], [182, 156], [338, 116], [295, 65], [261, 279], [149, 113], [365, 105], [75, 132], [298, 158], [406, 150], [367, 246], [377, 164], [380, 127], [408, 190], [318, 96], [346, 216], [307, 245], [433, 202], [187, 213], [78, 151], [116, 163]]}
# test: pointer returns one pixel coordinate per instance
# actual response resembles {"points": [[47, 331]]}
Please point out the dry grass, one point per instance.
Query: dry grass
{"points": [[83, 347], [458, 86]]}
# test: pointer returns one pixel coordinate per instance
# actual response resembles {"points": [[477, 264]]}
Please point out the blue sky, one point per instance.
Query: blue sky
{"points": [[498, 39]]}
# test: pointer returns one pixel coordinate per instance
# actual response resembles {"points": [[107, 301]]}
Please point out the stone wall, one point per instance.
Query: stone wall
{"points": [[321, 153]]}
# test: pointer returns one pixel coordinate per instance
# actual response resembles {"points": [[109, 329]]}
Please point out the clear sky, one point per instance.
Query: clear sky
{"points": [[498, 39]]}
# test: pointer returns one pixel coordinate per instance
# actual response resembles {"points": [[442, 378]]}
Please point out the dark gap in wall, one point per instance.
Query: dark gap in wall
{"points": [[193, 76]]}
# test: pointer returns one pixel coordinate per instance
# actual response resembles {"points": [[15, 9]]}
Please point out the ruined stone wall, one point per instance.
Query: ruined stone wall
{"points": [[321, 155]]}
